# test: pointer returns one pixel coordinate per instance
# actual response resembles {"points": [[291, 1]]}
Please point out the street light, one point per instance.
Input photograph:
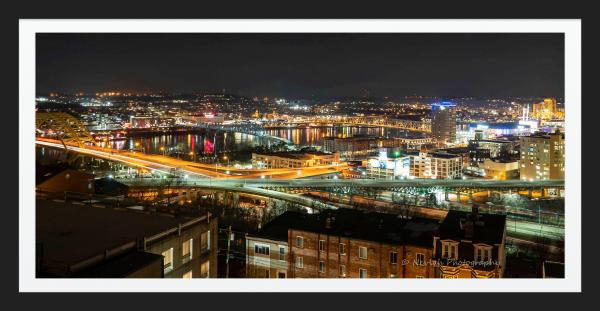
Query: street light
{"points": [[226, 158], [162, 148]]}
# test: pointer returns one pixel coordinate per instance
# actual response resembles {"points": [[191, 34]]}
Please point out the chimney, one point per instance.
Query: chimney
{"points": [[468, 228], [475, 209]]}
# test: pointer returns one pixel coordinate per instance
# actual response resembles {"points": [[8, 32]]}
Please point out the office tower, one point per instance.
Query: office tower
{"points": [[443, 123]]}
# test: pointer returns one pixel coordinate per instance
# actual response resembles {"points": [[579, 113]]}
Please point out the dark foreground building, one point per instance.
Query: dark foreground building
{"points": [[96, 242], [471, 245], [342, 243], [347, 243]]}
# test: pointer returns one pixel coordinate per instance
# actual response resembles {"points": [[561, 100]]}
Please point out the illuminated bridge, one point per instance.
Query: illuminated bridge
{"points": [[245, 128], [463, 187], [379, 121]]}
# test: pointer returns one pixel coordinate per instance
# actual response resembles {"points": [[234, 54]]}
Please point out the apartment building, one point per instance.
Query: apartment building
{"points": [[542, 156], [436, 165], [343, 243], [76, 240]]}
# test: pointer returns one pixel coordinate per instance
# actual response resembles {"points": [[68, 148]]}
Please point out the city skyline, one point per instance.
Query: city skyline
{"points": [[305, 65]]}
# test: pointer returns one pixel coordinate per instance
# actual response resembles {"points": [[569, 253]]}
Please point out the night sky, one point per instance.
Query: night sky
{"points": [[305, 65]]}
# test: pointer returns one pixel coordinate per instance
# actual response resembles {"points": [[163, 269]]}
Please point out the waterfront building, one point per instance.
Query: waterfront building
{"points": [[150, 122], [471, 245], [294, 159], [353, 147], [443, 123], [542, 156], [75, 240]]}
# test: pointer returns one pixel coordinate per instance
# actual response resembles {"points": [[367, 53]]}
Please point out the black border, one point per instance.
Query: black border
{"points": [[281, 9]]}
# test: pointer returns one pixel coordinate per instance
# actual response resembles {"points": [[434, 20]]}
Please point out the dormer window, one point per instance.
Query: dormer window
{"points": [[449, 249], [483, 252]]}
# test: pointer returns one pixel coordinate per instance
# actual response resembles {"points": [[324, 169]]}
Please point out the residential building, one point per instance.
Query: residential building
{"points": [[75, 240], [542, 156], [267, 251], [435, 165], [344, 243], [470, 245]]}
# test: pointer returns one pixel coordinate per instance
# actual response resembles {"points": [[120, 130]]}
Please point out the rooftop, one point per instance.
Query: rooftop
{"points": [[487, 228], [370, 226], [69, 234]]}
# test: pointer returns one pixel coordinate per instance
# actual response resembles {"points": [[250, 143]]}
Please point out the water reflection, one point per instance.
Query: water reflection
{"points": [[213, 144]]}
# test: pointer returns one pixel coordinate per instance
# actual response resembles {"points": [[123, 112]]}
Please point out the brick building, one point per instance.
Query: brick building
{"points": [[344, 244]]}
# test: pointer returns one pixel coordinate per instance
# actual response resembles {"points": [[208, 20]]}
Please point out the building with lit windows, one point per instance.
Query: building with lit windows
{"points": [[435, 165], [443, 123], [294, 159], [351, 147], [267, 250], [542, 156], [92, 241], [545, 110], [344, 243], [383, 166], [470, 245]]}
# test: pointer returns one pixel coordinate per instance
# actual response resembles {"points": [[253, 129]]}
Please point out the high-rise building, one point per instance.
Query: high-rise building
{"points": [[545, 110], [443, 123], [542, 156]]}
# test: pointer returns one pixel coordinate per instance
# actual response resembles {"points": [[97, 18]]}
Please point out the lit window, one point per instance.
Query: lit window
{"points": [[168, 260], [362, 252], [205, 242], [186, 250], [187, 275], [205, 270]]}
